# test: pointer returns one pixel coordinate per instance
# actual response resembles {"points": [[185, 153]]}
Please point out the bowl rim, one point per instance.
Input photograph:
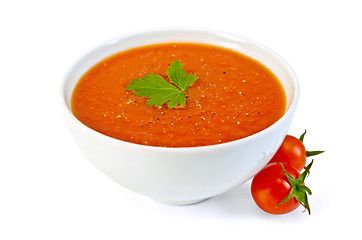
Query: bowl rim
{"points": [[69, 115]]}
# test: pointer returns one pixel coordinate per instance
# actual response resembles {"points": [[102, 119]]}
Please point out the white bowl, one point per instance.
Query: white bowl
{"points": [[181, 175]]}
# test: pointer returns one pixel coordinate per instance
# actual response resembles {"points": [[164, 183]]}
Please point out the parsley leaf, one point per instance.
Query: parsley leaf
{"points": [[160, 91], [179, 77]]}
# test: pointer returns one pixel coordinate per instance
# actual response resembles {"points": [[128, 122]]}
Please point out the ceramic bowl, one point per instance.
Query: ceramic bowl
{"points": [[181, 175]]}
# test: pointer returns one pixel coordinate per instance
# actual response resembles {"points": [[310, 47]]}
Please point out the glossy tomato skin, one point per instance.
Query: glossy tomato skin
{"points": [[292, 151], [270, 186]]}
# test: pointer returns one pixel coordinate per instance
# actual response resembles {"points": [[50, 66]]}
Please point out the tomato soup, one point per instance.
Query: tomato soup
{"points": [[234, 97]]}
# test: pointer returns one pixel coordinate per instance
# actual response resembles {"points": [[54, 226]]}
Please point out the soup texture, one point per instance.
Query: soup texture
{"points": [[234, 97]]}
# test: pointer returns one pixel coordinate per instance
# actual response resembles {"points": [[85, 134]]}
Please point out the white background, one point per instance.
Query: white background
{"points": [[49, 190]]}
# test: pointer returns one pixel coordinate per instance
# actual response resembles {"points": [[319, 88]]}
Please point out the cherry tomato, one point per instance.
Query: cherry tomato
{"points": [[292, 152], [270, 186]]}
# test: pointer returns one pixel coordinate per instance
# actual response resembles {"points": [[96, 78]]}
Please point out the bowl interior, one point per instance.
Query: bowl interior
{"points": [[250, 48]]}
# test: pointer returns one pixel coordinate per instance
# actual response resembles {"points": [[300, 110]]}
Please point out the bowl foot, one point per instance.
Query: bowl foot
{"points": [[181, 203]]}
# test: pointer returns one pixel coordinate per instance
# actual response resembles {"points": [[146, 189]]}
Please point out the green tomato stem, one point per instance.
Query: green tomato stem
{"points": [[298, 190]]}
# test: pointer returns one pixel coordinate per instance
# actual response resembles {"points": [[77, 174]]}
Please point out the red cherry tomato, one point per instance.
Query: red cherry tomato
{"points": [[292, 152], [270, 186]]}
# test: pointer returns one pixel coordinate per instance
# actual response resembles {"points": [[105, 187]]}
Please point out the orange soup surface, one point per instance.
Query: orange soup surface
{"points": [[234, 97]]}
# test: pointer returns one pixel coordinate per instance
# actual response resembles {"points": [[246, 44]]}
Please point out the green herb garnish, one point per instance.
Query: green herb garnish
{"points": [[160, 91]]}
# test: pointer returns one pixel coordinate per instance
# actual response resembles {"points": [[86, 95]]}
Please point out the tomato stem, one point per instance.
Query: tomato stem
{"points": [[298, 190], [313, 153], [304, 188], [301, 138], [309, 153]]}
